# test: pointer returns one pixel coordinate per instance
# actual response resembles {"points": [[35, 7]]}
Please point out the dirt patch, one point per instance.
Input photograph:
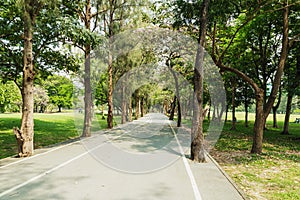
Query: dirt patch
{"points": [[225, 157]]}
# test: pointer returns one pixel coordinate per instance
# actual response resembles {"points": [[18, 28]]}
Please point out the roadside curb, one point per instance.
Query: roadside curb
{"points": [[243, 195]]}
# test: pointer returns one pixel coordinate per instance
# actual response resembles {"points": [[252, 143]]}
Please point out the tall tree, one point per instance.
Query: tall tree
{"points": [[233, 104], [113, 23], [101, 93], [26, 133], [37, 19], [262, 108], [275, 108], [86, 39], [197, 144], [60, 91], [292, 82]]}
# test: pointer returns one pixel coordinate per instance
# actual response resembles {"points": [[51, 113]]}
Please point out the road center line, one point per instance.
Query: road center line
{"points": [[188, 169]]}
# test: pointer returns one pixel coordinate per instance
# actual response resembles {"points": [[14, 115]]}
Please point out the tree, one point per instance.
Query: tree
{"points": [[41, 99], [275, 107], [60, 91], [30, 52], [113, 23], [101, 93], [86, 39], [247, 97], [171, 62], [10, 97], [25, 134], [292, 82], [225, 28], [233, 104], [262, 109], [197, 144]]}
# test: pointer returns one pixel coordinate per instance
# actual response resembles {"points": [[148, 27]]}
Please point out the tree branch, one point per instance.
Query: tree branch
{"points": [[239, 74]]}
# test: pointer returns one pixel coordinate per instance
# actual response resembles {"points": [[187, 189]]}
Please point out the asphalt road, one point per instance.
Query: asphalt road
{"points": [[141, 160]]}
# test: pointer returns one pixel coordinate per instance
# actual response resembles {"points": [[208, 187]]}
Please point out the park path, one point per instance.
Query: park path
{"points": [[138, 161]]}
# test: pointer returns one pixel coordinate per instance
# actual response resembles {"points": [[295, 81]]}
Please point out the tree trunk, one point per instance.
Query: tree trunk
{"points": [[197, 144], [214, 112], [88, 102], [173, 106], [102, 110], [208, 115], [259, 123], [123, 105], [178, 97], [226, 113], [142, 106], [233, 121], [26, 134], [246, 104], [130, 110], [275, 108], [137, 104], [287, 114], [281, 65], [246, 114], [110, 92], [110, 64], [178, 113]]}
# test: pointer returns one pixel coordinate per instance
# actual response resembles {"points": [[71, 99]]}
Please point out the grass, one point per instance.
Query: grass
{"points": [[275, 174], [49, 129]]}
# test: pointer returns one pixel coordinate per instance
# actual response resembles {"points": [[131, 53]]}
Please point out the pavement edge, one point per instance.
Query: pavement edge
{"points": [[243, 195]]}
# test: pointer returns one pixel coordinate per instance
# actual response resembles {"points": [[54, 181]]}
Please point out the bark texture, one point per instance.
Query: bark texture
{"points": [[287, 114], [197, 143], [25, 135], [88, 103], [233, 120]]}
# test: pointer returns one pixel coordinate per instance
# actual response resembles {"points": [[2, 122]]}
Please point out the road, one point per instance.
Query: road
{"points": [[141, 160]]}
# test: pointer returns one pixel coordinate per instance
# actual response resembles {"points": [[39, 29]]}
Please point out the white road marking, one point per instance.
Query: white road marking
{"points": [[197, 193], [47, 172], [49, 151], [37, 155]]}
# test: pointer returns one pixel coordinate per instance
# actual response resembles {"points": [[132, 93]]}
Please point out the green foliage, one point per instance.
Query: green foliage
{"points": [[60, 91], [292, 71], [79, 35], [101, 91], [10, 97], [49, 54]]}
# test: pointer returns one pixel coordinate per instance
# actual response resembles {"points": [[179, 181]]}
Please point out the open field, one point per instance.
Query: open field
{"points": [[280, 117]]}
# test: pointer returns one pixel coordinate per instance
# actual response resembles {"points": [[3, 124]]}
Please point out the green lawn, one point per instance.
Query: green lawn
{"points": [[49, 129], [273, 175]]}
